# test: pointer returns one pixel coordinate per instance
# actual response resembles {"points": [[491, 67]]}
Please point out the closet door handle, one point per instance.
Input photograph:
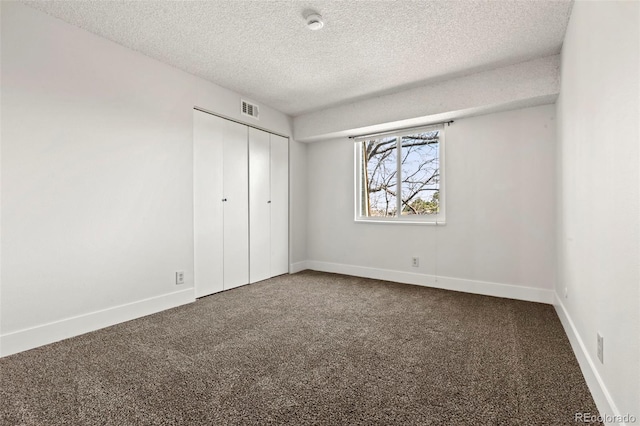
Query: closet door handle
{"points": [[224, 199], [269, 202]]}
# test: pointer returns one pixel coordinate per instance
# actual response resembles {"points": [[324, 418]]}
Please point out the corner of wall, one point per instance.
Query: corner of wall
{"points": [[298, 203]]}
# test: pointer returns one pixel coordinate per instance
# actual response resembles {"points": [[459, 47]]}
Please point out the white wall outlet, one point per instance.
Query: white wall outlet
{"points": [[601, 348], [179, 277], [566, 293], [415, 262]]}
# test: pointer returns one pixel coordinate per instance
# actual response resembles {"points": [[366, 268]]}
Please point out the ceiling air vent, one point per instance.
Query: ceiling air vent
{"points": [[250, 109]]}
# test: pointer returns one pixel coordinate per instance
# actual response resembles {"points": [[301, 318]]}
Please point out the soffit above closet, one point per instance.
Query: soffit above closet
{"points": [[263, 49]]}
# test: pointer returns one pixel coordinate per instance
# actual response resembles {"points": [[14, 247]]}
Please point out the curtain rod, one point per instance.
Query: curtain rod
{"points": [[391, 132]]}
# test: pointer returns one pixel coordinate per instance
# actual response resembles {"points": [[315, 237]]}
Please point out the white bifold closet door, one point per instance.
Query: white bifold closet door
{"points": [[260, 205], [279, 205], [207, 208], [268, 205], [221, 228], [236, 205]]}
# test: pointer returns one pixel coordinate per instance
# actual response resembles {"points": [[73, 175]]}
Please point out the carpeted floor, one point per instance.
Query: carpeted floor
{"points": [[309, 348]]}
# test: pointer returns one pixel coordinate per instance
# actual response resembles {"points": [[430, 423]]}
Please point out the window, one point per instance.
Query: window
{"points": [[400, 177]]}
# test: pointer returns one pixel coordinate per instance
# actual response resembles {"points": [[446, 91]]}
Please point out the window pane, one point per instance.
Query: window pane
{"points": [[379, 177], [420, 173]]}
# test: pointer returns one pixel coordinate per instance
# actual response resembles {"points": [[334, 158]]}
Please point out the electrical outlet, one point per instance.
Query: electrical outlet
{"points": [[601, 348], [415, 262], [179, 277], [566, 293]]}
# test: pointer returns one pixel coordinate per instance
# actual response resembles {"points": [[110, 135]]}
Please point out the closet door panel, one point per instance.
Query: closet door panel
{"points": [[236, 206], [279, 205], [207, 192], [259, 206]]}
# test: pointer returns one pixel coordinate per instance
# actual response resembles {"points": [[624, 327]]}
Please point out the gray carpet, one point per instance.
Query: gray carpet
{"points": [[309, 348]]}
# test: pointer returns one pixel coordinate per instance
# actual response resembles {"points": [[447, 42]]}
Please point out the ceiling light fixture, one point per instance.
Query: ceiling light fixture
{"points": [[314, 22]]}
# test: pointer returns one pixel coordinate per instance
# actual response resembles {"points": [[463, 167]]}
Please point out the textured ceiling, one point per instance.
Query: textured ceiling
{"points": [[263, 50]]}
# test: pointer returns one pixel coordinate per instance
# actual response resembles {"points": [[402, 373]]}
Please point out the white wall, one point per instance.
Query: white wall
{"points": [[97, 204], [500, 225], [598, 204]]}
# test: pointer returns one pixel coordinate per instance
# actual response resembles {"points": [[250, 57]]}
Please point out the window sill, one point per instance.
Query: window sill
{"points": [[401, 222]]}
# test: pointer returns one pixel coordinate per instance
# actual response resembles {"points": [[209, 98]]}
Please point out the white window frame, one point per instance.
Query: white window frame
{"points": [[436, 219]]}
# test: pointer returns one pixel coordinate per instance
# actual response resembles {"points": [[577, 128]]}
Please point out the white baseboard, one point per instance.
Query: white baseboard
{"points": [[297, 267], [30, 338], [529, 294], [601, 395]]}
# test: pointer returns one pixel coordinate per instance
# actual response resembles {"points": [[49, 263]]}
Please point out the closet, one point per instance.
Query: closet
{"points": [[241, 204]]}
